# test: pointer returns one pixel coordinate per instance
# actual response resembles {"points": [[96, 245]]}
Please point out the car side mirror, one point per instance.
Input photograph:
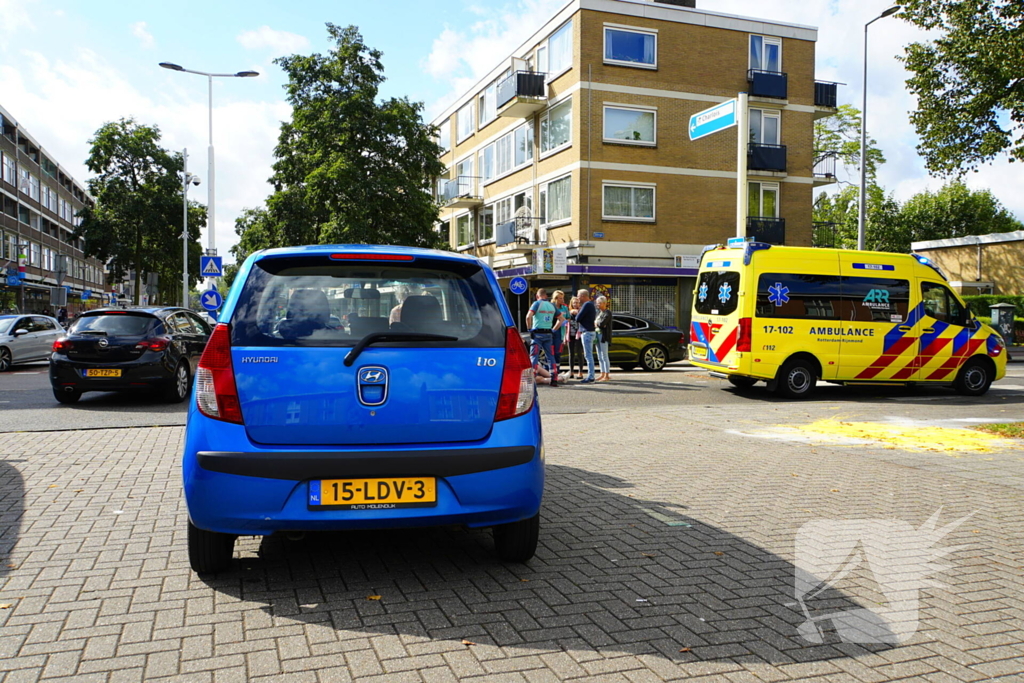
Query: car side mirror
{"points": [[18, 333], [973, 324]]}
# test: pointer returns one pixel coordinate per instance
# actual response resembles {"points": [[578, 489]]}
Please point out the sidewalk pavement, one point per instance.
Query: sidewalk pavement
{"points": [[667, 553]]}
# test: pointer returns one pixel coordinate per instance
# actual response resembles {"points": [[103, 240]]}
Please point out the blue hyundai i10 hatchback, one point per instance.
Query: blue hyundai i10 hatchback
{"points": [[362, 387]]}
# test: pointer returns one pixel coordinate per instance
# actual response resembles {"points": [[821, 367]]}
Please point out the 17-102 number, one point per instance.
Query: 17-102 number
{"points": [[780, 329]]}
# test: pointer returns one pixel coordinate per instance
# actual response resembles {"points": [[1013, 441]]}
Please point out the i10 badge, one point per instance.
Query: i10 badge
{"points": [[372, 385]]}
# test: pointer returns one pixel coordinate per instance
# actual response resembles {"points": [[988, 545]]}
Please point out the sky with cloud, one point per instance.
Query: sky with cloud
{"points": [[68, 67]]}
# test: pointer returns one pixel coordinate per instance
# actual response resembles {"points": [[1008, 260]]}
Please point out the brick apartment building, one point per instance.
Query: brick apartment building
{"points": [[40, 205], [578, 142]]}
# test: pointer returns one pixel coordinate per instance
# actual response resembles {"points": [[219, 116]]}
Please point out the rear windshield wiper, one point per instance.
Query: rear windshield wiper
{"points": [[392, 337]]}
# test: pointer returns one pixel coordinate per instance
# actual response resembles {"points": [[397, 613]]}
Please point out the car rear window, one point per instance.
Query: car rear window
{"points": [[315, 301], [116, 324], [718, 292]]}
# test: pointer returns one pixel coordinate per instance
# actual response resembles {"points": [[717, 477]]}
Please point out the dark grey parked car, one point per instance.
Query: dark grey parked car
{"points": [[26, 338]]}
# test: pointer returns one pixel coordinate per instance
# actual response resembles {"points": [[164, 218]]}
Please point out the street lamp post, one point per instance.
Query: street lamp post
{"points": [[864, 133], [187, 179], [210, 242]]}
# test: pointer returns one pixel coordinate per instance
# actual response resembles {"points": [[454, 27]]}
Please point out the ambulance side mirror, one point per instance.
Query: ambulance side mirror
{"points": [[972, 323]]}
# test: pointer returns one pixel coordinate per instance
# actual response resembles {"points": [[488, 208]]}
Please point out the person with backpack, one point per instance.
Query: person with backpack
{"points": [[544, 320]]}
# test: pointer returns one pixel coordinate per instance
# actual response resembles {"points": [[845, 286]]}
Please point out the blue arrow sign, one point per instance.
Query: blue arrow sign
{"points": [[518, 285], [211, 266], [709, 121], [13, 280], [211, 299]]}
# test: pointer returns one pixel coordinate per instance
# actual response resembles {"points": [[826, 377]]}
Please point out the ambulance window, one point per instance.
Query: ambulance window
{"points": [[787, 295], [718, 292], [873, 299], [939, 303]]}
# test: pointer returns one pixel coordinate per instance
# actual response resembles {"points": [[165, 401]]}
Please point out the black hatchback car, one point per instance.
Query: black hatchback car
{"points": [[125, 349]]}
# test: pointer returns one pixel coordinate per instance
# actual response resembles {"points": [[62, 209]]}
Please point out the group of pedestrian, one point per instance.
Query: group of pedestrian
{"points": [[585, 325]]}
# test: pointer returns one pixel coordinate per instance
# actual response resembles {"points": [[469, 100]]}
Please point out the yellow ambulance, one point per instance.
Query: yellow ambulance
{"points": [[791, 316]]}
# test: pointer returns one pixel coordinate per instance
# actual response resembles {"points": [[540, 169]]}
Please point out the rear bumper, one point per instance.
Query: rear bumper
{"points": [[134, 374], [235, 486]]}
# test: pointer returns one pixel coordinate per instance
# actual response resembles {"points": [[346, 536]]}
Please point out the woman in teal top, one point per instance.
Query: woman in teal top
{"points": [[558, 299]]}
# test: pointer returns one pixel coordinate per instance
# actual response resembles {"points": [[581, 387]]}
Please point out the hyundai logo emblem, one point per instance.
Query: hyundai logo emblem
{"points": [[371, 376]]}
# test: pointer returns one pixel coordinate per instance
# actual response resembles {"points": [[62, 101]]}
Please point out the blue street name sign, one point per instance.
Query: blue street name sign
{"points": [[211, 266], [518, 285], [211, 299], [710, 121], [13, 280]]}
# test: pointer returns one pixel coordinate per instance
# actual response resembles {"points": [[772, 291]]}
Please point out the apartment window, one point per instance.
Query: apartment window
{"points": [[766, 53], [523, 144], [23, 214], [10, 170], [765, 126], [559, 52], [464, 176], [6, 246], [628, 202], [444, 135], [33, 187], [763, 200], [507, 153], [556, 201], [636, 126], [488, 105], [542, 59], [630, 48], [464, 121], [486, 224], [464, 230], [487, 163], [556, 127], [34, 254], [24, 180]]}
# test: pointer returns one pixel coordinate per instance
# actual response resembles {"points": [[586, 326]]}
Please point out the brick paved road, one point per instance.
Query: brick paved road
{"points": [[664, 529]]}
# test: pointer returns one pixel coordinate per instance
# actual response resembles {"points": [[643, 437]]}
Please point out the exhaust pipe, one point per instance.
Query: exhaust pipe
{"points": [[69, 389]]}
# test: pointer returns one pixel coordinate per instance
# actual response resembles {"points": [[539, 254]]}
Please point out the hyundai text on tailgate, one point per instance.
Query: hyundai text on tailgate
{"points": [[362, 387]]}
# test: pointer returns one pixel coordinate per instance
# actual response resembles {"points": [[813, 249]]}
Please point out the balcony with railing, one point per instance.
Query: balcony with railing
{"points": [[765, 157], [766, 229], [461, 193], [824, 171], [773, 84], [826, 99], [518, 235], [824, 234], [522, 94]]}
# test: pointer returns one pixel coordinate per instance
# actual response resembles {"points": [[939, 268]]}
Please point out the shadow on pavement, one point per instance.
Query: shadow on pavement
{"points": [[12, 508], [612, 573], [870, 394]]}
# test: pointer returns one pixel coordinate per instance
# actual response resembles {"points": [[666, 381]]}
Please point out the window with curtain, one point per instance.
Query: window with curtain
{"points": [[556, 126], [558, 196], [464, 230], [766, 53], [629, 202], [763, 200], [629, 125], [487, 223], [464, 121], [487, 162], [632, 48], [764, 127], [559, 55]]}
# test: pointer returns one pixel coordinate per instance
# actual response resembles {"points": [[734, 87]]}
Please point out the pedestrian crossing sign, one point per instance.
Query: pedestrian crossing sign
{"points": [[211, 266]]}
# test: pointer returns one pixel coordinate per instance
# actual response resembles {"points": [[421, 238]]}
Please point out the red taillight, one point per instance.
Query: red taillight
{"points": [[156, 344], [61, 344], [743, 341], [518, 385], [216, 394], [372, 257], [684, 339]]}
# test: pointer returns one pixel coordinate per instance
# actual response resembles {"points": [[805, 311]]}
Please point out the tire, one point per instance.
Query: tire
{"points": [[177, 390], [517, 542], [974, 378], [628, 367], [66, 397], [5, 360], [741, 383], [797, 378], [209, 552], [653, 358]]}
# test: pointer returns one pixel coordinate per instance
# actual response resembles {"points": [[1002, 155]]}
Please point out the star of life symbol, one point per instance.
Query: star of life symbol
{"points": [[725, 292], [899, 557], [702, 293], [778, 295]]}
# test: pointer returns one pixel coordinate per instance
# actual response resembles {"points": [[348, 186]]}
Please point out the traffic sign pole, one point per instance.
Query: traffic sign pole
{"points": [[742, 140]]}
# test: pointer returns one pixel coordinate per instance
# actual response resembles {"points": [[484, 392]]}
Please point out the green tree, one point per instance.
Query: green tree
{"points": [[968, 82], [839, 134], [348, 168], [882, 216], [953, 211], [136, 222]]}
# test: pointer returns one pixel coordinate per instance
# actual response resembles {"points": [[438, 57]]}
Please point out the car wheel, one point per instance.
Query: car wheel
{"points": [[974, 378], [5, 360], [796, 379], [209, 552], [517, 542], [177, 390], [741, 383], [65, 396], [627, 366], [653, 358]]}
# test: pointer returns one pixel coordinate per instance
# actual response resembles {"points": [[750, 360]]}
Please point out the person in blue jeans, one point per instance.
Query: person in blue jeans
{"points": [[587, 320], [544, 319]]}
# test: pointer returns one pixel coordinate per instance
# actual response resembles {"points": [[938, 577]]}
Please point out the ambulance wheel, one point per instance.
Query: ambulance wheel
{"points": [[974, 378], [797, 378], [741, 383]]}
